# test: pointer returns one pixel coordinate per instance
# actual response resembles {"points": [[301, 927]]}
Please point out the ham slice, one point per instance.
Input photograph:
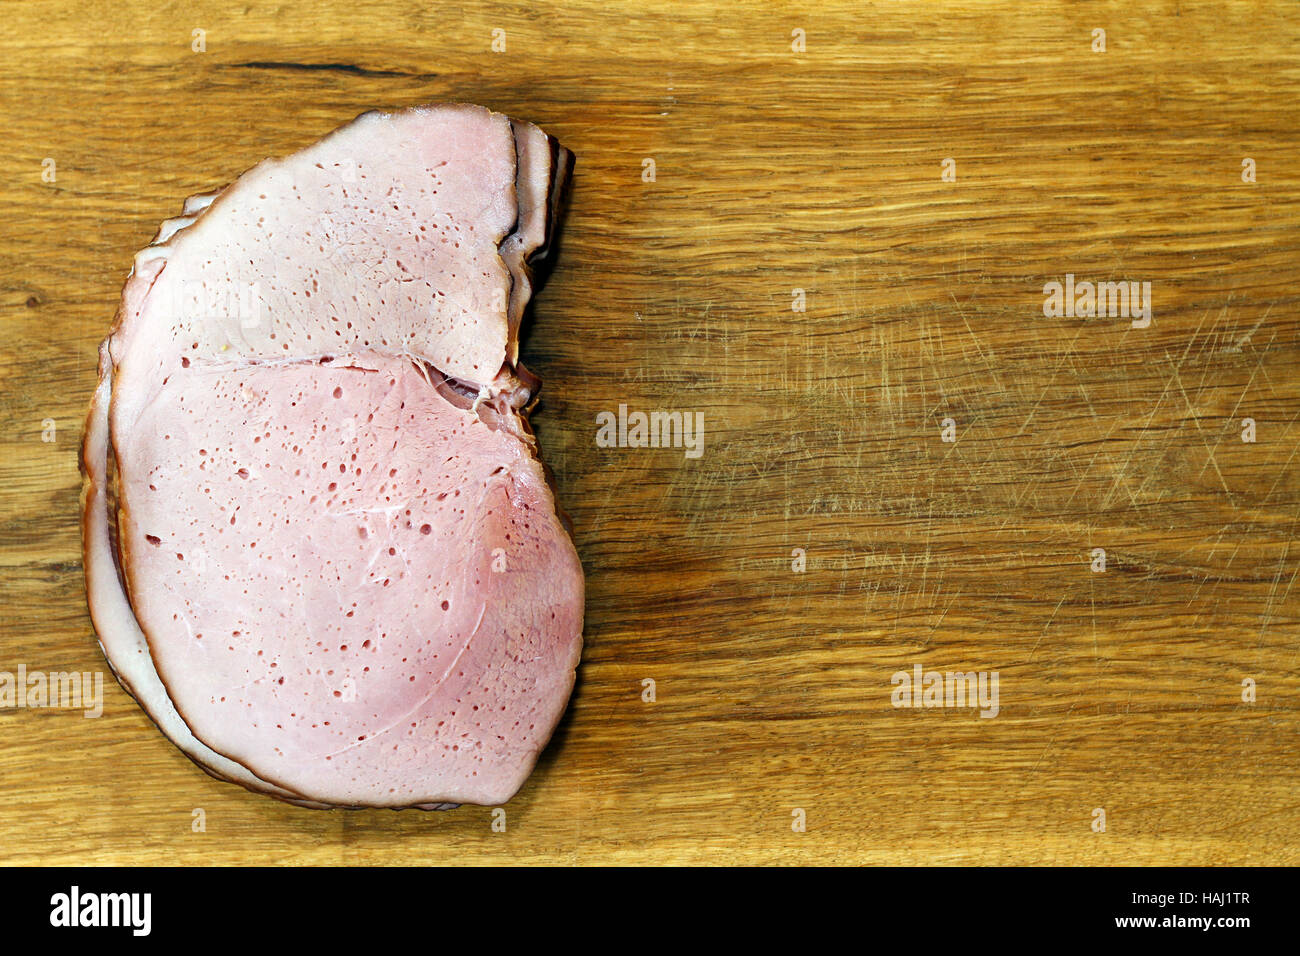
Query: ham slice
{"points": [[337, 574]]}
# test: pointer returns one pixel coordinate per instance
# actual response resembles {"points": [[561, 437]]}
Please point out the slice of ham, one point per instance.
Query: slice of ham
{"points": [[123, 642], [533, 185], [340, 577]]}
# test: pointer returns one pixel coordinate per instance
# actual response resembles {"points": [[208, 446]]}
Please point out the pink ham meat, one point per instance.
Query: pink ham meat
{"points": [[321, 548]]}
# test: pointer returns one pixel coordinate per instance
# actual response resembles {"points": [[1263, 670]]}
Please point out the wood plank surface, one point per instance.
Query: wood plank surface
{"points": [[775, 170]]}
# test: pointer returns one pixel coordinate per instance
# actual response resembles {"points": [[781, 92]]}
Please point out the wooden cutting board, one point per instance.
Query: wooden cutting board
{"points": [[793, 147]]}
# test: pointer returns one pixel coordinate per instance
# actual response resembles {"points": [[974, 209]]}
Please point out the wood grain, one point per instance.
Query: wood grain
{"points": [[775, 171]]}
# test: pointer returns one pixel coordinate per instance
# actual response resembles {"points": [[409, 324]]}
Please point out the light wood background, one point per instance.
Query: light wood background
{"points": [[776, 170]]}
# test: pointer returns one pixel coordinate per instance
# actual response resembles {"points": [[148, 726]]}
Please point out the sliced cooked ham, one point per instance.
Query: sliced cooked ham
{"points": [[338, 575], [535, 154]]}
